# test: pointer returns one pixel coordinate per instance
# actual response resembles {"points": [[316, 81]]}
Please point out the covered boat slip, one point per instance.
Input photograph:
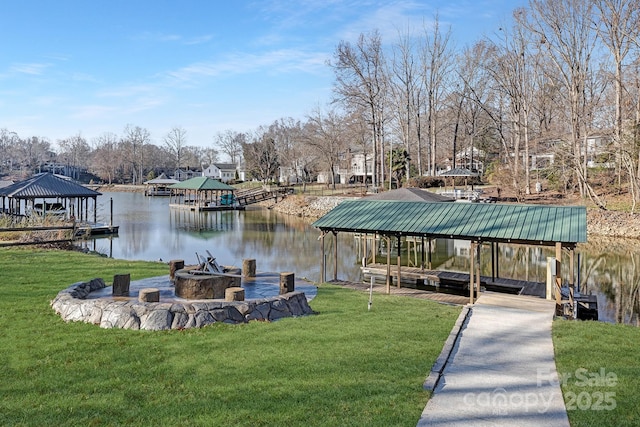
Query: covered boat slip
{"points": [[44, 192], [202, 194], [561, 227]]}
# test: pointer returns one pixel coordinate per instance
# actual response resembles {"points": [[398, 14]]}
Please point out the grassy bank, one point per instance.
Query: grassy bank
{"points": [[599, 371], [344, 366]]}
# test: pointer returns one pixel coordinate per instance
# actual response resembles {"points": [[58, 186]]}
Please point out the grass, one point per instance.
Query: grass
{"points": [[599, 371], [344, 366]]}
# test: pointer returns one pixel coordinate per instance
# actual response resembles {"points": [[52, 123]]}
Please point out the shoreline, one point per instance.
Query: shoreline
{"points": [[599, 223], [608, 223]]}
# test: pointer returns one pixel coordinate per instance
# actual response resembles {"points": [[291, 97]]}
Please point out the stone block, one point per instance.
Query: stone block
{"points": [[149, 295], [287, 283], [249, 267], [121, 285], [175, 265], [201, 286], [234, 294]]}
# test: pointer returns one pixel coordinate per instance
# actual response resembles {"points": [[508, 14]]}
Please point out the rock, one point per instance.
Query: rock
{"points": [[156, 316], [156, 320]]}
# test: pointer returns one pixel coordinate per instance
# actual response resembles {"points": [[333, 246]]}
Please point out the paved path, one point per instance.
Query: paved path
{"points": [[501, 368]]}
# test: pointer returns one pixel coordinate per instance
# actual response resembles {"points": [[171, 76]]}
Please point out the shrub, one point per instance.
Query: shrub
{"points": [[426, 182]]}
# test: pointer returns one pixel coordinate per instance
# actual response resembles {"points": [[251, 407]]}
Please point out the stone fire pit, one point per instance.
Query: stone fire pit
{"points": [[93, 302], [194, 284]]}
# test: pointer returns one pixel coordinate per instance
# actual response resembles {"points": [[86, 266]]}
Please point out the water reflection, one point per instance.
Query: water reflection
{"points": [[150, 230]]}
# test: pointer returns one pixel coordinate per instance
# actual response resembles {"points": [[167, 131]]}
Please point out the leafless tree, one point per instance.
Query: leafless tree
{"points": [[174, 142], [325, 134], [261, 156], [437, 62], [134, 141], [566, 34], [618, 24], [75, 152], [361, 84], [403, 84], [105, 156], [230, 143]]}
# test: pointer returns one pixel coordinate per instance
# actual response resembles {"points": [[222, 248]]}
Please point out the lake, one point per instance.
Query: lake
{"points": [[150, 230]]}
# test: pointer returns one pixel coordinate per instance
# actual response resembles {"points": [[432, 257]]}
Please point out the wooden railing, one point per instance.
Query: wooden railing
{"points": [[71, 228]]}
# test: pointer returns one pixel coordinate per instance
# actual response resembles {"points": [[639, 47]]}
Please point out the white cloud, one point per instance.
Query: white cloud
{"points": [[276, 61], [174, 38], [29, 68]]}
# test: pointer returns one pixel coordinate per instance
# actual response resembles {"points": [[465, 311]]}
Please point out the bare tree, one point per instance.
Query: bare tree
{"points": [[175, 142], [325, 134], [565, 31], [437, 62], [230, 143], [74, 152], [105, 158], [361, 83], [134, 141], [618, 24], [403, 86], [261, 156]]}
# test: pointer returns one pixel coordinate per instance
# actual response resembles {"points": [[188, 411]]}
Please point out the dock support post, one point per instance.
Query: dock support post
{"points": [[335, 256], [558, 273], [478, 277], [323, 275], [388, 265], [398, 260], [364, 250], [472, 254]]}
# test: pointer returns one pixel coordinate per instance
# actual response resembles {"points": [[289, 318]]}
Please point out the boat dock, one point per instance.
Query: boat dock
{"points": [[450, 281], [96, 229]]}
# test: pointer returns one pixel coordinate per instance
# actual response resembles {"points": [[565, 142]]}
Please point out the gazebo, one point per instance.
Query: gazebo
{"points": [[159, 186], [46, 193], [453, 174], [202, 194], [561, 227]]}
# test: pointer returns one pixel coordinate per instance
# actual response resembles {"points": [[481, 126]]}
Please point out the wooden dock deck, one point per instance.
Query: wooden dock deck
{"points": [[440, 297], [415, 277]]}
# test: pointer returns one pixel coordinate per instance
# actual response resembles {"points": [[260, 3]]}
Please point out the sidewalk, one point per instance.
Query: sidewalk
{"points": [[501, 370]]}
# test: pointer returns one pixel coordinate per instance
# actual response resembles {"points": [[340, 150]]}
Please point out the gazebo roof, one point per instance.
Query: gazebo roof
{"points": [[458, 172], [489, 222], [409, 195], [46, 185], [203, 183], [163, 179]]}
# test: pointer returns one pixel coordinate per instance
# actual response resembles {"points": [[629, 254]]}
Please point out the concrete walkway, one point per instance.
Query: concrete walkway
{"points": [[501, 369]]}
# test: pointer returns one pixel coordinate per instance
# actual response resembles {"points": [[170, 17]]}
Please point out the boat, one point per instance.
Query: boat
{"points": [[47, 209]]}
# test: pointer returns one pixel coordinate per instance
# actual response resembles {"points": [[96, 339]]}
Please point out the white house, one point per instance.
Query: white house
{"points": [[223, 172], [359, 168]]}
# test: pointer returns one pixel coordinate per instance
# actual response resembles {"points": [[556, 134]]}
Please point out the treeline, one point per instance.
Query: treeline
{"points": [[558, 76]]}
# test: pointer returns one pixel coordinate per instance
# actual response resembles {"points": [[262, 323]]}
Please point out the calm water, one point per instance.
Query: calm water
{"points": [[150, 230]]}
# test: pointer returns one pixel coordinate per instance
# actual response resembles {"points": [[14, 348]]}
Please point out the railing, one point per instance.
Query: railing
{"points": [[71, 238]]}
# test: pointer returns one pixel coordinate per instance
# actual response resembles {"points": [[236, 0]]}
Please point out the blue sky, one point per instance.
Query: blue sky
{"points": [[90, 67]]}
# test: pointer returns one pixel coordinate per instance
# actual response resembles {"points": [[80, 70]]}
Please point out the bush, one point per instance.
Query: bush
{"points": [[426, 182]]}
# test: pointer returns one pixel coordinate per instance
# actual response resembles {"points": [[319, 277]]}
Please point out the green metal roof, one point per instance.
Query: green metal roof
{"points": [[545, 225], [202, 183]]}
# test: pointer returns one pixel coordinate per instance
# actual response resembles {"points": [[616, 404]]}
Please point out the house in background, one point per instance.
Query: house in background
{"points": [[223, 172], [184, 174], [357, 167]]}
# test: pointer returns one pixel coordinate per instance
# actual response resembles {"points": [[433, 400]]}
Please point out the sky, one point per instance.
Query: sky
{"points": [[78, 67]]}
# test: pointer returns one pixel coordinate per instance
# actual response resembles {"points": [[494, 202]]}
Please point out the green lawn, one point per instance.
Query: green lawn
{"points": [[600, 364], [344, 366]]}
